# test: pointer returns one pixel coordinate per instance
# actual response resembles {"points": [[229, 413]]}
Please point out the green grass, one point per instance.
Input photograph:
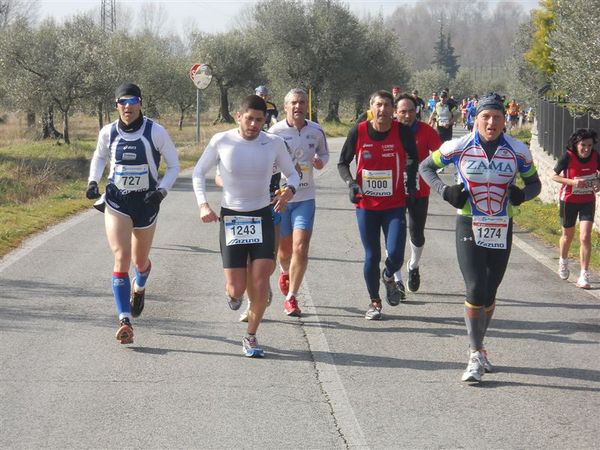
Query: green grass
{"points": [[42, 182], [333, 129]]}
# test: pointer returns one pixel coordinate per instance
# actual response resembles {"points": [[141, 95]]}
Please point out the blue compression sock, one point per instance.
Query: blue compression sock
{"points": [[121, 287], [141, 277]]}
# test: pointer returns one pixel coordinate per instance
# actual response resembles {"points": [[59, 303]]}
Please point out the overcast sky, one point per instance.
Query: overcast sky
{"points": [[215, 15]]}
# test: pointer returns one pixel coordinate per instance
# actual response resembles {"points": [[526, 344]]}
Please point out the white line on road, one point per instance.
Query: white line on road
{"points": [[328, 376], [39, 239]]}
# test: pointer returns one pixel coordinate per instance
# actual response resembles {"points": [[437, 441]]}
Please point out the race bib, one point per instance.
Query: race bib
{"points": [[131, 178], [377, 183], [242, 230], [490, 231], [588, 189], [306, 174]]}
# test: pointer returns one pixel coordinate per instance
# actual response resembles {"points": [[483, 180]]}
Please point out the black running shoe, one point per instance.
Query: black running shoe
{"points": [[392, 293], [401, 289], [136, 301], [414, 279]]}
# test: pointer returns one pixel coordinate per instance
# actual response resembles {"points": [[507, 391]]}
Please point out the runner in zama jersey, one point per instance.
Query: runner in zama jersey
{"points": [[487, 163]]}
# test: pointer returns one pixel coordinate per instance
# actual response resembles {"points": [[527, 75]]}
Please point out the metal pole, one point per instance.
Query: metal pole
{"points": [[198, 116]]}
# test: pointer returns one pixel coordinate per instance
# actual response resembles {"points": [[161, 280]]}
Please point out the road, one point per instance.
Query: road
{"points": [[331, 379]]}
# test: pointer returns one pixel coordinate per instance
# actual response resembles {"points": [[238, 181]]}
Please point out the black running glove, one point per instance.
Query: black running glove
{"points": [[92, 192], [354, 192], [155, 197], [456, 195], [516, 195]]}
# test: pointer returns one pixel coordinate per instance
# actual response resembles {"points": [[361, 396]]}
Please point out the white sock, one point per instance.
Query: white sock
{"points": [[415, 256], [290, 295], [398, 276]]}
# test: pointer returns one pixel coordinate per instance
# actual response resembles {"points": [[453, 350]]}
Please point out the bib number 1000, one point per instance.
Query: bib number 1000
{"points": [[377, 184]]}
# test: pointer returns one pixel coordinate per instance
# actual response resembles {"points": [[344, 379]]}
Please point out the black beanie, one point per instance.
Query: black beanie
{"points": [[490, 101], [128, 89]]}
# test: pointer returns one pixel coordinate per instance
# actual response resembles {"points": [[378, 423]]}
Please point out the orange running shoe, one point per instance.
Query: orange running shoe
{"points": [[125, 332]]}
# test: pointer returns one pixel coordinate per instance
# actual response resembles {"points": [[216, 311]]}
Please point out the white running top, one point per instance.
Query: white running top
{"points": [[245, 167], [161, 140], [304, 145]]}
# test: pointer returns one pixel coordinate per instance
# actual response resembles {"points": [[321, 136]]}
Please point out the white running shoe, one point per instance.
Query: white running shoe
{"points": [[584, 280], [244, 314], [475, 369], [487, 365], [563, 270]]}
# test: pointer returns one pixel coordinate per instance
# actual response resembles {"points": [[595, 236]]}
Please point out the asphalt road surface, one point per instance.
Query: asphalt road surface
{"points": [[330, 379]]}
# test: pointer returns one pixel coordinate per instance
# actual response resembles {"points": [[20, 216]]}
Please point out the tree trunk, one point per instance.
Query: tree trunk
{"points": [[224, 115], [314, 107], [358, 107], [66, 127], [48, 129], [30, 119], [100, 116], [333, 111], [107, 110], [181, 120]]}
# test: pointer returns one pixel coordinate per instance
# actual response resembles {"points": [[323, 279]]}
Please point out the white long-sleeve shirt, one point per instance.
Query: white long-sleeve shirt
{"points": [[304, 145], [245, 166], [117, 150]]}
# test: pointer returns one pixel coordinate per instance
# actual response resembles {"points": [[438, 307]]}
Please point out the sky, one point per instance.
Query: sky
{"points": [[213, 16]]}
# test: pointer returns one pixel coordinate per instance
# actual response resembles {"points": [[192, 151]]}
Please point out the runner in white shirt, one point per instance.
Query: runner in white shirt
{"points": [[308, 147], [245, 158]]}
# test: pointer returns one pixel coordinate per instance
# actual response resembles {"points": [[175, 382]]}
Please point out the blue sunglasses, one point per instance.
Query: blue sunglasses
{"points": [[129, 101]]}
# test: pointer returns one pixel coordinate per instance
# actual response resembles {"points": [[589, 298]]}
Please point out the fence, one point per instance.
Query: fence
{"points": [[555, 124]]}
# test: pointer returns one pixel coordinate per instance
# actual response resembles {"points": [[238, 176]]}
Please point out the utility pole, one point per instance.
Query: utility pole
{"points": [[108, 15]]}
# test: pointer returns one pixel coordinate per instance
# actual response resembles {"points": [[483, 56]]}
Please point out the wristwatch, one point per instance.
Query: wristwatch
{"points": [[292, 188]]}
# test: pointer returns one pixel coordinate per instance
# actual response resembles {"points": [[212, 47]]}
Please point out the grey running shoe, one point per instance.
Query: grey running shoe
{"points": [[374, 311], [414, 278], [251, 348], [393, 295], [487, 365], [234, 303], [563, 270], [475, 369]]}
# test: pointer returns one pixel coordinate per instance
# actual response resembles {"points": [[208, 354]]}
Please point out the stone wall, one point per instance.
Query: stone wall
{"points": [[545, 165]]}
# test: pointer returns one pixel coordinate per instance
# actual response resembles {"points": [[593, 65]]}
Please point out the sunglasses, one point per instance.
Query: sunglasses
{"points": [[129, 101]]}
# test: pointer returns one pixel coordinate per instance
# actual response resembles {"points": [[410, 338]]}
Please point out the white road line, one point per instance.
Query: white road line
{"points": [[547, 261], [328, 376], [41, 238]]}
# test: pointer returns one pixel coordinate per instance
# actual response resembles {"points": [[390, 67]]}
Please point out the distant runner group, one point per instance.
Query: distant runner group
{"points": [[267, 212]]}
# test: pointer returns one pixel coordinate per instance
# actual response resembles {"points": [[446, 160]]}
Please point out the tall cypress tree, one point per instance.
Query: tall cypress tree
{"points": [[443, 54], [452, 65]]}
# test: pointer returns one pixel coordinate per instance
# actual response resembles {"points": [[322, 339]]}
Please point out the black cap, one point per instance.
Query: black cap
{"points": [[128, 89], [490, 101]]}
